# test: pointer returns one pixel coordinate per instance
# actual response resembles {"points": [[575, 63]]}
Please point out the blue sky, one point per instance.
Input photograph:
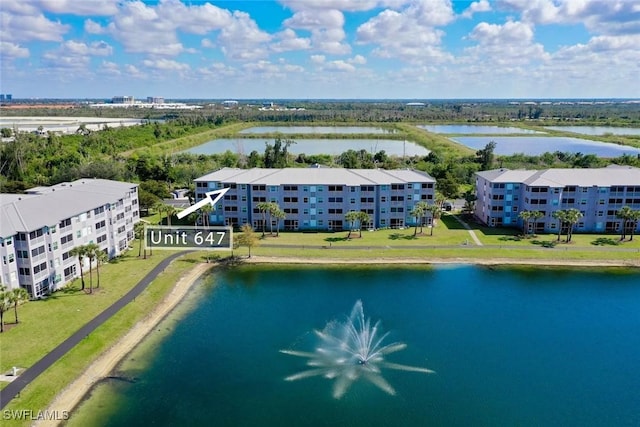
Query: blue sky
{"points": [[396, 49]]}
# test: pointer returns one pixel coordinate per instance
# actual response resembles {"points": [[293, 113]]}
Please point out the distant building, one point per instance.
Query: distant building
{"points": [[229, 104], [5, 97], [125, 99], [155, 100], [39, 229], [318, 198], [597, 193]]}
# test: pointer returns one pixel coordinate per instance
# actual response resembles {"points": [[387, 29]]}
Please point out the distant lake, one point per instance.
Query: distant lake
{"points": [[539, 145], [317, 129], [471, 129], [596, 130], [313, 146]]}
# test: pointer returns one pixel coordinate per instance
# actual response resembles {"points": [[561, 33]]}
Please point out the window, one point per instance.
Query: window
{"points": [[335, 188], [65, 223], [102, 238], [66, 239], [22, 254], [100, 224], [24, 271], [37, 251], [35, 234]]}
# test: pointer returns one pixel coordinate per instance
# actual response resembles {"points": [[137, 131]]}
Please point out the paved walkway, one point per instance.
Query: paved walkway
{"points": [[471, 232], [17, 385]]}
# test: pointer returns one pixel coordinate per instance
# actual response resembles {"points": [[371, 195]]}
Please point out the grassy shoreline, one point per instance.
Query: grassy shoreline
{"points": [[36, 334]]}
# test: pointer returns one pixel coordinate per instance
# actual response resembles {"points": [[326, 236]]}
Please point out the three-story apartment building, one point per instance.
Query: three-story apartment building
{"points": [[317, 198], [39, 229], [597, 193]]}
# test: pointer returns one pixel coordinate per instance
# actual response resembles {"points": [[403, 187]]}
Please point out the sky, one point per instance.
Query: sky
{"points": [[320, 49]]}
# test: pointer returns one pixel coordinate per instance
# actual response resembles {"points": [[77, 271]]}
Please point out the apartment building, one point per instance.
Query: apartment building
{"points": [[317, 198], [39, 229], [597, 193]]}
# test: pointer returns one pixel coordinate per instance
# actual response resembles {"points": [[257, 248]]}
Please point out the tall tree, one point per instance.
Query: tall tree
{"points": [[485, 156], [80, 252], [138, 230], [263, 208], [18, 296], [205, 212], [561, 216], [279, 215], [418, 213], [435, 211], [624, 215], [101, 258], [5, 304], [170, 211], [90, 253], [351, 217], [573, 216], [526, 217], [247, 237], [363, 219]]}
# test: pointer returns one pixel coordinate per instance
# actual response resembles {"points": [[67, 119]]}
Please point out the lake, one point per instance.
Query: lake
{"points": [[316, 129], [480, 129], [538, 145], [526, 347], [313, 146], [596, 130]]}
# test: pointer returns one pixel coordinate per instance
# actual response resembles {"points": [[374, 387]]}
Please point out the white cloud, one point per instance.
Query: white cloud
{"points": [[164, 64], [134, 72], [30, 27], [82, 7], [111, 68], [10, 51], [93, 27], [339, 65], [325, 25], [476, 7], [410, 34], [75, 55], [241, 39], [317, 59], [206, 43], [289, 41], [608, 17]]}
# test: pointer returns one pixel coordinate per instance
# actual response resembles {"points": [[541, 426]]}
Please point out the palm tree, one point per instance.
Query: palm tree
{"points": [[526, 217], [272, 212], [263, 207], [363, 218], [535, 216], [435, 211], [440, 199], [573, 216], [351, 217], [80, 252], [561, 216], [138, 229], [205, 211], [18, 296], [624, 214], [5, 304], [417, 212], [160, 208], [279, 215], [101, 258], [91, 249], [634, 222], [170, 211]]}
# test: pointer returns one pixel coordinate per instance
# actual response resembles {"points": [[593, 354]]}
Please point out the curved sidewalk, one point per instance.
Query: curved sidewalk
{"points": [[16, 386]]}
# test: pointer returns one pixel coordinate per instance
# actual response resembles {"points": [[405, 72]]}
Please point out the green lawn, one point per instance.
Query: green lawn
{"points": [[45, 324]]}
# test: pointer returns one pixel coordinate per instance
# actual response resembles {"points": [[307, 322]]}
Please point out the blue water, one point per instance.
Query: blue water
{"points": [[317, 129], [473, 129], [313, 146], [597, 130], [510, 347], [532, 145]]}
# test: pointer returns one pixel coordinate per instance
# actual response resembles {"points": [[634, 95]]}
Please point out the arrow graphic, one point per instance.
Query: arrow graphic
{"points": [[209, 199]]}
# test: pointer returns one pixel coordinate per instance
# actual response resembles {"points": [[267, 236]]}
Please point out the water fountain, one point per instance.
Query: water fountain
{"points": [[351, 351]]}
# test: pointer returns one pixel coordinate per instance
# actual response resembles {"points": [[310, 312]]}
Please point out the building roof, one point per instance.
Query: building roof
{"points": [[602, 177], [316, 176], [47, 206]]}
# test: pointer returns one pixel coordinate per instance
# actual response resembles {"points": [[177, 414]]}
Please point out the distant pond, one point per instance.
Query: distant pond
{"points": [[313, 146], [471, 129], [596, 130], [538, 145], [316, 129]]}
